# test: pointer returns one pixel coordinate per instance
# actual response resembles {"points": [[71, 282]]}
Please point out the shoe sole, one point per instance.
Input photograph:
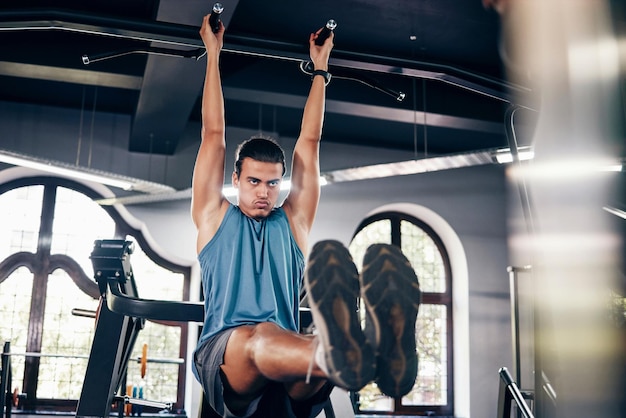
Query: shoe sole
{"points": [[391, 294], [332, 283]]}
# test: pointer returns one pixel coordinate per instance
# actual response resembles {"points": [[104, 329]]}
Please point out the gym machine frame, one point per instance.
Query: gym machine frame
{"points": [[120, 317], [508, 392]]}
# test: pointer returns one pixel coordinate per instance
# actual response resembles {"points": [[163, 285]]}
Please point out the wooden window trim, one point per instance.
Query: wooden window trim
{"points": [[444, 298]]}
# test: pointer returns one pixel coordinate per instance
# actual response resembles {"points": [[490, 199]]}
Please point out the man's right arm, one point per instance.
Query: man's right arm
{"points": [[208, 204]]}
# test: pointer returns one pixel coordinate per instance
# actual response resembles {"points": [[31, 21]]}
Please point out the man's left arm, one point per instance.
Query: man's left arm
{"points": [[301, 203]]}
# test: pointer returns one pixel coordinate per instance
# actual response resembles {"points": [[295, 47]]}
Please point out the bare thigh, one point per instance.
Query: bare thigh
{"points": [[242, 380], [256, 355]]}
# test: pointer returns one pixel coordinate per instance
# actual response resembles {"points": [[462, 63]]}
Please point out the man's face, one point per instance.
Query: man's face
{"points": [[259, 187]]}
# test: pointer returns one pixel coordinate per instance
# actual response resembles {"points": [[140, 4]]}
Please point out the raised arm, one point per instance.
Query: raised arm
{"points": [[208, 204], [301, 203]]}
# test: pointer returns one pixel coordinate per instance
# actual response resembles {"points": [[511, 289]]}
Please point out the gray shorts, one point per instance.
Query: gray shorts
{"points": [[274, 402]]}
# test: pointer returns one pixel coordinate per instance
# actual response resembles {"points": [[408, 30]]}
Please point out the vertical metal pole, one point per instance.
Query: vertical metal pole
{"points": [[4, 376], [513, 286], [515, 320]]}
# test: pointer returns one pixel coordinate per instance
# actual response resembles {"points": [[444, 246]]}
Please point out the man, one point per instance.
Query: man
{"points": [[250, 359]]}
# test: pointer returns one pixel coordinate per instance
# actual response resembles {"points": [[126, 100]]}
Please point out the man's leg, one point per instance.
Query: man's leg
{"points": [[265, 352], [391, 294], [332, 286]]}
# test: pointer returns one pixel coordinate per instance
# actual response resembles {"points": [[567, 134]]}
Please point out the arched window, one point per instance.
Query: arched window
{"points": [[433, 390], [49, 226]]}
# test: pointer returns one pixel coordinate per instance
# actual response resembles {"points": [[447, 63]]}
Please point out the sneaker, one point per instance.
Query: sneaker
{"points": [[332, 283], [391, 294]]}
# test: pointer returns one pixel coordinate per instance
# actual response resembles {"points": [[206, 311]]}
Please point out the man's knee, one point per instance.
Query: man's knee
{"points": [[240, 372], [249, 339], [265, 329], [260, 335]]}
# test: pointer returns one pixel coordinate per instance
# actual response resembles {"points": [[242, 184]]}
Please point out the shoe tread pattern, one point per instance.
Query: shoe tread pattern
{"points": [[391, 294], [332, 283]]}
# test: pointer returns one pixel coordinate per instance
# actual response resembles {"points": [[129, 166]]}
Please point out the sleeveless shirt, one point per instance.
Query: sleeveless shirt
{"points": [[251, 272]]}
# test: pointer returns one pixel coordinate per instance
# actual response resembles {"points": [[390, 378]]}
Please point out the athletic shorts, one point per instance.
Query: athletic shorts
{"points": [[273, 403]]}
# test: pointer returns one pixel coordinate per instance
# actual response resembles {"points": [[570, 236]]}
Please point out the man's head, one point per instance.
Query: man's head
{"points": [[259, 168], [261, 149]]}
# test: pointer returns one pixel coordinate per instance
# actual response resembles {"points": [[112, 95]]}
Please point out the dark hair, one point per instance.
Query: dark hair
{"points": [[261, 149]]}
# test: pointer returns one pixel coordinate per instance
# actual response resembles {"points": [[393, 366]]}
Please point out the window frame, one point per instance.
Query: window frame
{"points": [[122, 229], [444, 298]]}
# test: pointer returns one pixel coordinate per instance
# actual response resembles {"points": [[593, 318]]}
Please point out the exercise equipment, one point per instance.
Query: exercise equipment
{"points": [[121, 316], [142, 360], [508, 393], [144, 363], [214, 19], [326, 31], [84, 313]]}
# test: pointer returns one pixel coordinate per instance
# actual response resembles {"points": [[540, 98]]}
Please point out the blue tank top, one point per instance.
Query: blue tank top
{"points": [[251, 273]]}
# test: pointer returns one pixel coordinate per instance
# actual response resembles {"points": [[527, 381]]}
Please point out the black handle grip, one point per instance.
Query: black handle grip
{"points": [[325, 33], [214, 19]]}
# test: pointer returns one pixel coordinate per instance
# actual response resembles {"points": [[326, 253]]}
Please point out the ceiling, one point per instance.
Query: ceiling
{"points": [[445, 57], [442, 54]]}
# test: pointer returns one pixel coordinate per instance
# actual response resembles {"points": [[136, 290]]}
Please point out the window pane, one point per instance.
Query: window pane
{"points": [[15, 295], [376, 232], [371, 399], [424, 256], [65, 335], [431, 383], [156, 282], [20, 215], [78, 222], [161, 379]]}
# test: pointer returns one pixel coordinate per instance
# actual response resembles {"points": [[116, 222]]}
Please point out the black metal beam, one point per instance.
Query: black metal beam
{"points": [[186, 35]]}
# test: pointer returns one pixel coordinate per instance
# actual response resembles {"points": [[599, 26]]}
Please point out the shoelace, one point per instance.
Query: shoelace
{"points": [[316, 342]]}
